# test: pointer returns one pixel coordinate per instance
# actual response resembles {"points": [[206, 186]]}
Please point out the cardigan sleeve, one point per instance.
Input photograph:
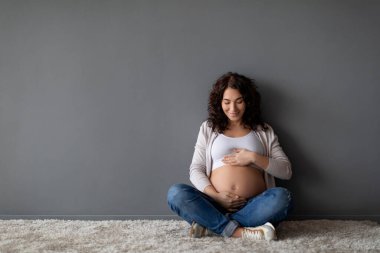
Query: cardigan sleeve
{"points": [[279, 164], [198, 176]]}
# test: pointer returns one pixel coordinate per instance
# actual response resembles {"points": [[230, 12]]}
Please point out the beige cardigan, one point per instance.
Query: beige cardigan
{"points": [[200, 168]]}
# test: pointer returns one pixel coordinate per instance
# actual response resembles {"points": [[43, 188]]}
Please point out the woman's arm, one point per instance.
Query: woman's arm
{"points": [[198, 176], [279, 165], [259, 160]]}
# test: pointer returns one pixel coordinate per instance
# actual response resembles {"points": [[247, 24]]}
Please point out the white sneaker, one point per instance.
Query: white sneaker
{"points": [[264, 232]]}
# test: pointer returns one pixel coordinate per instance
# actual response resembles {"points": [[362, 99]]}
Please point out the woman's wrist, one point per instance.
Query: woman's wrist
{"points": [[259, 160], [210, 191], [253, 157]]}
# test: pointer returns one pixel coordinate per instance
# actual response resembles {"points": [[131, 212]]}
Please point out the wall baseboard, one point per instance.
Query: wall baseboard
{"points": [[335, 217], [175, 217]]}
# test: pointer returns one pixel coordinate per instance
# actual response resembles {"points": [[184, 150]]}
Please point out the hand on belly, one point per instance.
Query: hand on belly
{"points": [[230, 201], [239, 157], [244, 181]]}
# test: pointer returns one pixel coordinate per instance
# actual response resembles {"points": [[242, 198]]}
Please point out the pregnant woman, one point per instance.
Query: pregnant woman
{"points": [[235, 160]]}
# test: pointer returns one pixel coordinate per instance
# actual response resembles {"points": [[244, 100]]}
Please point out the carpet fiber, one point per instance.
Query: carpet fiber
{"points": [[172, 236]]}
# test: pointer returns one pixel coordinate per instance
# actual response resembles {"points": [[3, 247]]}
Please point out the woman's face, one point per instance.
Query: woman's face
{"points": [[233, 104]]}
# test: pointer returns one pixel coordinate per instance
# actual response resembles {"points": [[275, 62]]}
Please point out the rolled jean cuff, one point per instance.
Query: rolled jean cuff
{"points": [[230, 228]]}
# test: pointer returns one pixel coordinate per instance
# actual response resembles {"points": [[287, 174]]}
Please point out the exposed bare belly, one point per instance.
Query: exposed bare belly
{"points": [[244, 181]]}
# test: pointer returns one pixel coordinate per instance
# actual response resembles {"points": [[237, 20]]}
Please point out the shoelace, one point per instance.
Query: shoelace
{"points": [[255, 233]]}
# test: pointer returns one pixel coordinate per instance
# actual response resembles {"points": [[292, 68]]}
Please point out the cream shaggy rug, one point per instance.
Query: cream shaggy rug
{"points": [[172, 236]]}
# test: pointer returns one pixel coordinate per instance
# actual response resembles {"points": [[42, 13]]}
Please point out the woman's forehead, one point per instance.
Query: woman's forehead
{"points": [[231, 94]]}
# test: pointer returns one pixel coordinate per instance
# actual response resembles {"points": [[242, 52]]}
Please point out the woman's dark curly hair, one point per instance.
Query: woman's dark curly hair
{"points": [[217, 119]]}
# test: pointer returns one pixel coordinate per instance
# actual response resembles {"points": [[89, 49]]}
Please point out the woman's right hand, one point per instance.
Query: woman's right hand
{"points": [[230, 201]]}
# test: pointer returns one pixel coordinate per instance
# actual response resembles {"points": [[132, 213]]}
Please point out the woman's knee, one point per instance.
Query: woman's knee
{"points": [[282, 205], [282, 196], [178, 193]]}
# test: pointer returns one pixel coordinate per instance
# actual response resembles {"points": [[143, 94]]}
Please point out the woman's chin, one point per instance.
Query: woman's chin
{"points": [[234, 119]]}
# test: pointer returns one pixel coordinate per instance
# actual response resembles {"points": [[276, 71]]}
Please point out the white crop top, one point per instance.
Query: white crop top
{"points": [[224, 145]]}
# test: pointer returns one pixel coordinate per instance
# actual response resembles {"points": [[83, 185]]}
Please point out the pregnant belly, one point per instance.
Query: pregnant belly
{"points": [[244, 181]]}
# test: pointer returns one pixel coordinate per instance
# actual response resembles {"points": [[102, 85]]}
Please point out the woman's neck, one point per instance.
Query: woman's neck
{"points": [[235, 125]]}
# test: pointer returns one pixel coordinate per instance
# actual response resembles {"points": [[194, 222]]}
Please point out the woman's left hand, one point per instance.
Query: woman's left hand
{"points": [[239, 157]]}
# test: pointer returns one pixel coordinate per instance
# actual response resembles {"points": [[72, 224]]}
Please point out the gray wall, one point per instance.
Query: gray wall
{"points": [[101, 101]]}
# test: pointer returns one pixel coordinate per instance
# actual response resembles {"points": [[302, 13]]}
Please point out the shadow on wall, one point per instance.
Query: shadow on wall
{"points": [[305, 171]]}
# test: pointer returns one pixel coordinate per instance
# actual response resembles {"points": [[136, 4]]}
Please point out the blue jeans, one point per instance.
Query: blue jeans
{"points": [[273, 205]]}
